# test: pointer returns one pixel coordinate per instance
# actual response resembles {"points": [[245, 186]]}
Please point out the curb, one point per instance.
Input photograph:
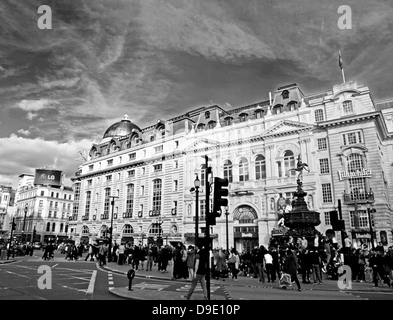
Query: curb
{"points": [[7, 261]]}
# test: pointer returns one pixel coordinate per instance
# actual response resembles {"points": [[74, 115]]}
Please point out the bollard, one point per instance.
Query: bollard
{"points": [[130, 276]]}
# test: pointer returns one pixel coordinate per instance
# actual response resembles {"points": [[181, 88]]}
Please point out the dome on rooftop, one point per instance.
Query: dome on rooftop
{"points": [[121, 128]]}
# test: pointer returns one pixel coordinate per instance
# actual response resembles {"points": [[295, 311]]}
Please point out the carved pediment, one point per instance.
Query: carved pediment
{"points": [[287, 126], [202, 143]]}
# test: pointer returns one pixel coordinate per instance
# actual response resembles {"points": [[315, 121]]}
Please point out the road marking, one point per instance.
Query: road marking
{"points": [[55, 265], [150, 286], [92, 282]]}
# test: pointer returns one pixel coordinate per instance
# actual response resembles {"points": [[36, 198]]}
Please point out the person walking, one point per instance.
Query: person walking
{"points": [[150, 258], [259, 259], [291, 266], [235, 263], [315, 265], [268, 262], [121, 249], [90, 253], [201, 264], [191, 262]]}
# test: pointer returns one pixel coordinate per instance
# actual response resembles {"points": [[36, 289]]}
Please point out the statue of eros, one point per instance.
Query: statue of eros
{"points": [[300, 167]]}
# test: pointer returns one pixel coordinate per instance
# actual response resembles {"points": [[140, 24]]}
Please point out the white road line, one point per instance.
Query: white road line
{"points": [[19, 275], [92, 282], [55, 265]]}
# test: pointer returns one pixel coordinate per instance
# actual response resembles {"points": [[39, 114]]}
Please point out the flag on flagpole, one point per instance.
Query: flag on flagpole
{"points": [[340, 60]]}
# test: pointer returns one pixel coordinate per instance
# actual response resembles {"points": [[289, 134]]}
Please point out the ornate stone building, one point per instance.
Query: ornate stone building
{"points": [[342, 134]]}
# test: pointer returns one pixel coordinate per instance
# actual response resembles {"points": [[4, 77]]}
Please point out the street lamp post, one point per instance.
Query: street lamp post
{"points": [[370, 223], [160, 222], [197, 184], [24, 223], [226, 221], [111, 229]]}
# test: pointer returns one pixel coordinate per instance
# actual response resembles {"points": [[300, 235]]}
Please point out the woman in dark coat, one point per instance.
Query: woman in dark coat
{"points": [[291, 266]]}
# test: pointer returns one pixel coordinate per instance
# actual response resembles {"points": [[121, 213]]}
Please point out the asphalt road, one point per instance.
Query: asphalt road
{"points": [[80, 280]]}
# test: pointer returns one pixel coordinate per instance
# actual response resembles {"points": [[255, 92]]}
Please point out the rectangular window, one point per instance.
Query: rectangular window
{"points": [[318, 115], [41, 203], [279, 168], [176, 164], [91, 167], [157, 191], [52, 194], [118, 176], [142, 190], [327, 218], [357, 188], [347, 107], [132, 156], [324, 166], [158, 149], [130, 200], [110, 163], [175, 185], [108, 178], [176, 144], [360, 220], [326, 193], [42, 193], [322, 144], [89, 182], [352, 138], [131, 173], [158, 168], [202, 207], [107, 201], [77, 191], [87, 207]]}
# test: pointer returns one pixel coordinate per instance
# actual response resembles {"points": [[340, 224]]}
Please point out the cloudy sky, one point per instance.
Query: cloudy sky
{"points": [[61, 88]]}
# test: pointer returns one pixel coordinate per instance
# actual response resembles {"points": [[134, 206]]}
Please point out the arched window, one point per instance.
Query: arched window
{"points": [[85, 229], [228, 170], [157, 192], [258, 114], [243, 117], [53, 227], [152, 137], [61, 227], [211, 124], [292, 106], [155, 229], [277, 109], [161, 132], [135, 140], [318, 115], [66, 228], [128, 229], [347, 107], [285, 94], [228, 121], [243, 169], [207, 115], [260, 167], [357, 186], [289, 163], [48, 227], [201, 127]]}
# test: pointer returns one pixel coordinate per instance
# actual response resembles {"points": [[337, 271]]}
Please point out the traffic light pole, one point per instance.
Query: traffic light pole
{"points": [[207, 231]]}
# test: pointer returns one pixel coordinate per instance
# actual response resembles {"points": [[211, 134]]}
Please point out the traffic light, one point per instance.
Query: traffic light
{"points": [[13, 226], [219, 199], [34, 233], [337, 225]]}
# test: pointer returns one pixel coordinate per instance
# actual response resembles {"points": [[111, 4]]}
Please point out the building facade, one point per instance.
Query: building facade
{"points": [[47, 209], [342, 134], [7, 198]]}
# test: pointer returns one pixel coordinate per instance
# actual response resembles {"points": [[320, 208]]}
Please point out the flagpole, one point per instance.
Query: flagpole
{"points": [[340, 63], [342, 71]]}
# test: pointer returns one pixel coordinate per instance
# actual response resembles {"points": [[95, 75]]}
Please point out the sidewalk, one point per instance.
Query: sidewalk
{"points": [[227, 283]]}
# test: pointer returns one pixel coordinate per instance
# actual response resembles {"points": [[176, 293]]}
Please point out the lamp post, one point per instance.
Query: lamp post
{"points": [[24, 223], [226, 221], [369, 221], [111, 229], [197, 184], [160, 222]]}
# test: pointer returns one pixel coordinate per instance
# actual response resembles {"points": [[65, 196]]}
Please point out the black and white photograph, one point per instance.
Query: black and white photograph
{"points": [[223, 152]]}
